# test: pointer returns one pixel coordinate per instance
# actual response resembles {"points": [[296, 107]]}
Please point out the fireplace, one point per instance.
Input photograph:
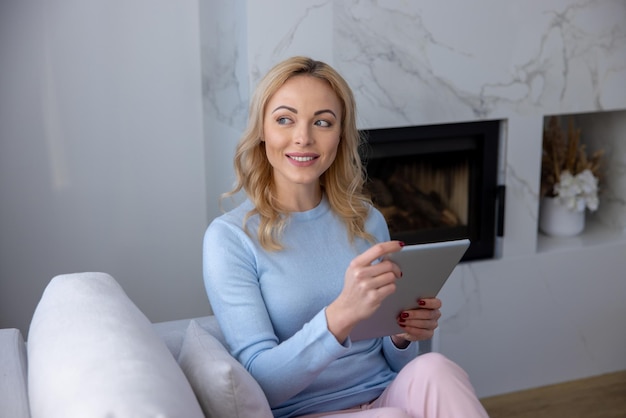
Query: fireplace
{"points": [[438, 183]]}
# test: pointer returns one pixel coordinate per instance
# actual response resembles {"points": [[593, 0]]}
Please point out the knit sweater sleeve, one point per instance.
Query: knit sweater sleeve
{"points": [[282, 369]]}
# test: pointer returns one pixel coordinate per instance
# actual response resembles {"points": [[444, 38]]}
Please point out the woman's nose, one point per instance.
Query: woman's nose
{"points": [[303, 135]]}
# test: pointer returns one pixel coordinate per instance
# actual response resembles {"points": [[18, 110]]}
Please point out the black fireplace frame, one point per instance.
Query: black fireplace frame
{"points": [[486, 204]]}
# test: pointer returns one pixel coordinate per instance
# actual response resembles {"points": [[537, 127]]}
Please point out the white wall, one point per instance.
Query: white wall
{"points": [[225, 93], [101, 151]]}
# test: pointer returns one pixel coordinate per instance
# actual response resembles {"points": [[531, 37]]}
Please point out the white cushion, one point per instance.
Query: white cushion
{"points": [[93, 353], [173, 332], [222, 385], [13, 392]]}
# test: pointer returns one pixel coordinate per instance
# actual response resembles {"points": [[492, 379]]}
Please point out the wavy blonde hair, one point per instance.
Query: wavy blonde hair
{"points": [[342, 182]]}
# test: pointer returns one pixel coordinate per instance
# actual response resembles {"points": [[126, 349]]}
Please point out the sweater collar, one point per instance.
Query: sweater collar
{"points": [[316, 212]]}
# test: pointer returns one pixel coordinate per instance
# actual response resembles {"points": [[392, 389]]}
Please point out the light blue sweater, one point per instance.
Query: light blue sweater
{"points": [[271, 309]]}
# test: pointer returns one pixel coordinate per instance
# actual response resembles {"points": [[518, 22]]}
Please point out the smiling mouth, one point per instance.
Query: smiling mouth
{"points": [[301, 159]]}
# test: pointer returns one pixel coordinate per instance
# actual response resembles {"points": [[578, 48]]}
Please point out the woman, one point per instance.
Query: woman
{"points": [[291, 270]]}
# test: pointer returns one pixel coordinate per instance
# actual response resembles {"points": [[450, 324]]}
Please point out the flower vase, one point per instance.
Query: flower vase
{"points": [[557, 220]]}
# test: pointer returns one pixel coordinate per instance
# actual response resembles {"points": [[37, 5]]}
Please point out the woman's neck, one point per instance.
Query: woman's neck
{"points": [[300, 200]]}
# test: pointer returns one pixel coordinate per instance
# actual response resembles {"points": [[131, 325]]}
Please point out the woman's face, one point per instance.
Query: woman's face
{"points": [[301, 130]]}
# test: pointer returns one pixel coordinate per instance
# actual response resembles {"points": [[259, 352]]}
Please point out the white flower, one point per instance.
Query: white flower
{"points": [[588, 182], [578, 192]]}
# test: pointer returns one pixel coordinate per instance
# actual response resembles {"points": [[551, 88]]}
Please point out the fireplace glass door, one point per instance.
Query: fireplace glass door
{"points": [[437, 183]]}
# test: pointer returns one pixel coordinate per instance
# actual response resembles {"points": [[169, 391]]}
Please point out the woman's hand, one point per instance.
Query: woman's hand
{"points": [[366, 284], [419, 324]]}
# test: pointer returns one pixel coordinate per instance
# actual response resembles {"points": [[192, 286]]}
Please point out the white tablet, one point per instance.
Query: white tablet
{"points": [[425, 269]]}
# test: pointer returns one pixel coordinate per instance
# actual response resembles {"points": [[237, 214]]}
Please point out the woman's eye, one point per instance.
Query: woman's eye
{"points": [[283, 120], [323, 123]]}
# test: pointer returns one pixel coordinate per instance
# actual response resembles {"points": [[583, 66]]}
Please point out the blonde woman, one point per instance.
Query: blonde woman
{"points": [[291, 270]]}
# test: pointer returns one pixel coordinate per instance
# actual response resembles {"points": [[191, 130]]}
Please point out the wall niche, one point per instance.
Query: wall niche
{"points": [[599, 131]]}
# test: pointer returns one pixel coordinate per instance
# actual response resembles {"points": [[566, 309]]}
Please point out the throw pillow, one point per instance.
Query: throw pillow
{"points": [[222, 385], [93, 353]]}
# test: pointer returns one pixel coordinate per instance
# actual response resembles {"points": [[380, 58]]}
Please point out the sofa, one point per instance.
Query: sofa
{"points": [[90, 352]]}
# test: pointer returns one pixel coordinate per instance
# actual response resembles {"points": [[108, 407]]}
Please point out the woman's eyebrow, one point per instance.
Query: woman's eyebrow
{"points": [[319, 112], [291, 109], [294, 110]]}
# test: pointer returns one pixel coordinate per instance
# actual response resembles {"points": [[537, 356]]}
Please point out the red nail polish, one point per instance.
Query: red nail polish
{"points": [[402, 244], [401, 320], [421, 302], [404, 315]]}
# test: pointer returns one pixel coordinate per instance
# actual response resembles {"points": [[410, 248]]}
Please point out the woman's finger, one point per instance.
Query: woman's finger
{"points": [[429, 303], [377, 270], [376, 253]]}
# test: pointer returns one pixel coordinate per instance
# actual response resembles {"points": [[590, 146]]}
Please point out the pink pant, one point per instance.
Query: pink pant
{"points": [[429, 386]]}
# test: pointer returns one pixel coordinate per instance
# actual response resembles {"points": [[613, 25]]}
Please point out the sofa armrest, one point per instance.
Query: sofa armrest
{"points": [[13, 374]]}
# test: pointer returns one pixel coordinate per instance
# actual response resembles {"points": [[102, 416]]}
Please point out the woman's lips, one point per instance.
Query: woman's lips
{"points": [[302, 159]]}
